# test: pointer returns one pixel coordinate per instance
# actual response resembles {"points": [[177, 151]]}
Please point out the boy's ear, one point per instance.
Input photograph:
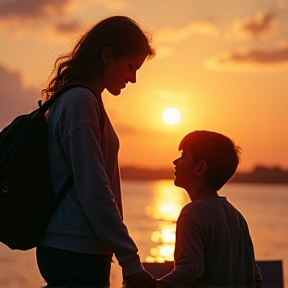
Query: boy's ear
{"points": [[107, 53], [201, 168]]}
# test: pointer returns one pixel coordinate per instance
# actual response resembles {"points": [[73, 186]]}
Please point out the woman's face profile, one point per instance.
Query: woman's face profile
{"points": [[118, 72]]}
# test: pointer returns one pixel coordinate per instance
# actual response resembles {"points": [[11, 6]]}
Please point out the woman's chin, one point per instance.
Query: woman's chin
{"points": [[115, 93]]}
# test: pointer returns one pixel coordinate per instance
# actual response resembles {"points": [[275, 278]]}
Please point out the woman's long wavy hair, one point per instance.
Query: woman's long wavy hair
{"points": [[84, 62]]}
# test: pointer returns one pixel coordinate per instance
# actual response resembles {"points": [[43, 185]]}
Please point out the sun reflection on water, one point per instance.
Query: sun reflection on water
{"points": [[165, 208]]}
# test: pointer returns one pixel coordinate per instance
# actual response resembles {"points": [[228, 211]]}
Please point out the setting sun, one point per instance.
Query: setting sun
{"points": [[171, 116]]}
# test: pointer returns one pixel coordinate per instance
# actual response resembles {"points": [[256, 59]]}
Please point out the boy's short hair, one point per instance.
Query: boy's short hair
{"points": [[218, 151]]}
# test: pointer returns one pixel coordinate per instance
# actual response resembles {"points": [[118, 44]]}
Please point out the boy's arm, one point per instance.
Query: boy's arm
{"points": [[189, 255]]}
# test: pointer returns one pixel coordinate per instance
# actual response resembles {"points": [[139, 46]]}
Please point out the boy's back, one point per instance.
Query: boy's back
{"points": [[213, 246]]}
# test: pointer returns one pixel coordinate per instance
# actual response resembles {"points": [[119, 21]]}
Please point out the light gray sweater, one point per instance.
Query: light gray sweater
{"points": [[89, 218], [213, 247]]}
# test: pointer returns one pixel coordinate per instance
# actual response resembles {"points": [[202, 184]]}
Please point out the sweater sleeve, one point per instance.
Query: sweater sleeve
{"points": [[82, 145], [258, 277], [189, 254]]}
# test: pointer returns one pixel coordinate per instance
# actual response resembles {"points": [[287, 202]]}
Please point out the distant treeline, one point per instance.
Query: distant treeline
{"points": [[258, 175]]}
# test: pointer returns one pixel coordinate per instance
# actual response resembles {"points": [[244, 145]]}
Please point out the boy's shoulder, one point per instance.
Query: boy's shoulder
{"points": [[207, 209], [203, 204], [207, 201]]}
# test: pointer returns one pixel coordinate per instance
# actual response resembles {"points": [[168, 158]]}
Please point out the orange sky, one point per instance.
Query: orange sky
{"points": [[223, 64]]}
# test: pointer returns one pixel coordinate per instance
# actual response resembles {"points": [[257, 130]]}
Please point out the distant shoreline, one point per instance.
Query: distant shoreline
{"points": [[259, 174]]}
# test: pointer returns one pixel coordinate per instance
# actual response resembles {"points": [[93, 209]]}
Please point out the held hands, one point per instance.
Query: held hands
{"points": [[142, 280], [160, 284]]}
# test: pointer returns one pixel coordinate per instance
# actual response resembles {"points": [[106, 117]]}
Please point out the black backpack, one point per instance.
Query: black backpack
{"points": [[27, 200]]}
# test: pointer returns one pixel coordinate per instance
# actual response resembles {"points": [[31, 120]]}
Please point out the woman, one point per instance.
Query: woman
{"points": [[87, 227]]}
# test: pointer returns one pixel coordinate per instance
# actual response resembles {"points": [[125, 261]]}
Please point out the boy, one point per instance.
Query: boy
{"points": [[213, 246]]}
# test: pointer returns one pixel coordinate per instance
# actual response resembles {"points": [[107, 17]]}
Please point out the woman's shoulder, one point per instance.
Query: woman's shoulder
{"points": [[79, 96], [79, 100], [78, 104]]}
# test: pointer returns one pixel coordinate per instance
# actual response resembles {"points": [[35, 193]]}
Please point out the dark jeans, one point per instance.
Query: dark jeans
{"points": [[61, 268]]}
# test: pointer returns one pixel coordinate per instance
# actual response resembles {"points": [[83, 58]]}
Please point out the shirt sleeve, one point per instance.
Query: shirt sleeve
{"points": [[189, 254], [258, 277]]}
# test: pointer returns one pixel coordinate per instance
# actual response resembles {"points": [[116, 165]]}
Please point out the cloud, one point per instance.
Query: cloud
{"points": [[49, 17], [164, 51], [15, 99], [31, 9], [67, 26], [281, 4], [18, 17], [260, 26], [250, 59], [111, 5], [59, 29], [171, 35]]}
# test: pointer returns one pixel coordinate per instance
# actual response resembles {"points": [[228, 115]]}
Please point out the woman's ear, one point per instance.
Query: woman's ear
{"points": [[201, 168], [107, 54]]}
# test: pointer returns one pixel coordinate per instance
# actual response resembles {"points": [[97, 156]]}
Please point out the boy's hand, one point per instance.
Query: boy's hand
{"points": [[142, 280]]}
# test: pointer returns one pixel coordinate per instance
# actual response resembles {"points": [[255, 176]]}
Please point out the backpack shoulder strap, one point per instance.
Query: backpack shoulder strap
{"points": [[68, 183]]}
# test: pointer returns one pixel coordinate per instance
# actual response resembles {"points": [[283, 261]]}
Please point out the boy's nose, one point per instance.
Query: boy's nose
{"points": [[175, 161]]}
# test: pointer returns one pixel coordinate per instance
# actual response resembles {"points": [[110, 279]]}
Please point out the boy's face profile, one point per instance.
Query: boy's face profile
{"points": [[184, 170]]}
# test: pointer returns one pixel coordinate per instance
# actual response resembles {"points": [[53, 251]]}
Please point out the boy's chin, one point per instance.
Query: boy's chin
{"points": [[176, 183], [179, 184]]}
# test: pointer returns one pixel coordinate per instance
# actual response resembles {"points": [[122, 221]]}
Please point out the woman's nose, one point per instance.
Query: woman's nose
{"points": [[133, 77]]}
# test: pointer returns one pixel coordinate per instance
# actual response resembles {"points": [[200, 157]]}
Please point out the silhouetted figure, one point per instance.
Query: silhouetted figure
{"points": [[87, 227], [213, 245]]}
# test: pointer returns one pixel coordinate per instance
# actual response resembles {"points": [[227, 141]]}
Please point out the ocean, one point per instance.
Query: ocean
{"points": [[150, 211]]}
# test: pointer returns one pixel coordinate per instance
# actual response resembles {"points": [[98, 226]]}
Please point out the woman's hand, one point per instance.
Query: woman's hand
{"points": [[142, 280]]}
